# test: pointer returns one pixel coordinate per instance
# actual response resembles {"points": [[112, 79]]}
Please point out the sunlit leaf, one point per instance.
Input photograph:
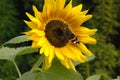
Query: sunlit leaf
{"points": [[17, 39], [94, 77], [28, 50], [10, 53]]}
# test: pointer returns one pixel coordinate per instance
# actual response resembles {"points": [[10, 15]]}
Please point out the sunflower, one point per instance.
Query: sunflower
{"points": [[57, 32]]}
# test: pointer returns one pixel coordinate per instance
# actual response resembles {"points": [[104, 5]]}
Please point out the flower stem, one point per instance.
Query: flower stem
{"points": [[87, 69], [18, 70], [37, 64]]}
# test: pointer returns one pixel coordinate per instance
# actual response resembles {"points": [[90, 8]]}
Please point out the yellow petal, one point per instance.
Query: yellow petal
{"points": [[52, 8], [37, 13], [46, 10], [60, 4], [31, 24], [47, 50], [84, 49], [47, 64], [77, 8], [78, 19], [52, 54], [41, 42], [67, 11], [87, 40], [85, 18], [71, 64], [67, 52], [80, 31], [84, 12], [34, 45], [38, 32], [69, 6], [77, 52], [42, 48], [59, 54], [35, 33], [58, 8], [65, 63], [35, 20]]}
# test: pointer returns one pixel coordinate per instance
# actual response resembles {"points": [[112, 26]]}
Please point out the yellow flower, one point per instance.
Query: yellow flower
{"points": [[57, 32]]}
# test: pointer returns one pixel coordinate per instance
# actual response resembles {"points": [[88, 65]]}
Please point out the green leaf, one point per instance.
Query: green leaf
{"points": [[61, 73], [28, 50], [28, 76], [10, 53], [1, 79], [91, 57], [94, 77], [56, 72], [17, 39]]}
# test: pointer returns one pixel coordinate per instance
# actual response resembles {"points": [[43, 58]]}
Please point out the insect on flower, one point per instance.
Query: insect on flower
{"points": [[65, 33], [69, 35]]}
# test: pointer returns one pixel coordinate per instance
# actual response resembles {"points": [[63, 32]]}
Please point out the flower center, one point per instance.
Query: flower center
{"points": [[55, 34]]}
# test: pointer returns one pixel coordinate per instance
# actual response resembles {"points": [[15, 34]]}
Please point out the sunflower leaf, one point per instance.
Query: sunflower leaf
{"points": [[10, 53], [59, 72], [28, 50], [17, 39], [94, 77], [55, 72], [28, 76]]}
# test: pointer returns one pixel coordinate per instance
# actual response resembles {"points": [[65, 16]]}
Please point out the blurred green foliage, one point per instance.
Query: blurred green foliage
{"points": [[8, 22], [105, 19]]}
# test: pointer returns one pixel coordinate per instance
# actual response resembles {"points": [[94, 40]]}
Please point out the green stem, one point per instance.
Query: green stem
{"points": [[18, 70], [37, 64], [87, 69]]}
